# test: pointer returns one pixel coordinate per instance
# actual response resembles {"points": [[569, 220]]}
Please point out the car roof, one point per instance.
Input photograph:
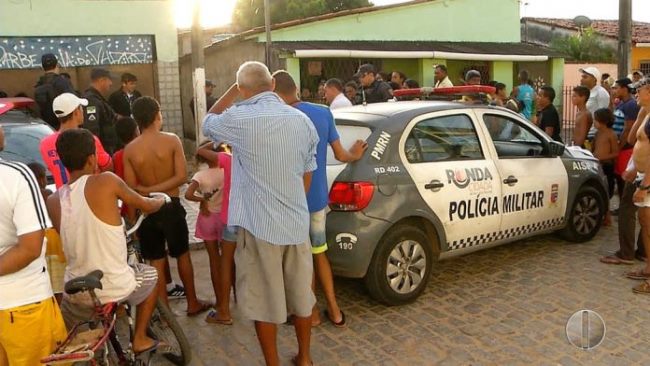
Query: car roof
{"points": [[377, 114], [7, 104]]}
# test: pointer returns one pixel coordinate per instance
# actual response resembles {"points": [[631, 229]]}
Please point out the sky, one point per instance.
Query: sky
{"points": [[219, 12]]}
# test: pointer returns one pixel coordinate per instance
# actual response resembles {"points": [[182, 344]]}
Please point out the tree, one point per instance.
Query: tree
{"points": [[250, 13], [584, 47]]}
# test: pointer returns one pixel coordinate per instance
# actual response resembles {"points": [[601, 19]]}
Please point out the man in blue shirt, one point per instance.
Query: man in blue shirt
{"points": [[274, 155], [525, 94], [317, 196]]}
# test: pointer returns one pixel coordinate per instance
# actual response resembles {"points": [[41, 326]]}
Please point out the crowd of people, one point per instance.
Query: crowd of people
{"points": [[262, 210]]}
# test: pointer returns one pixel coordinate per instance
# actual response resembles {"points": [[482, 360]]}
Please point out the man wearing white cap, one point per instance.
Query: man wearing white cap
{"points": [[598, 96], [68, 109]]}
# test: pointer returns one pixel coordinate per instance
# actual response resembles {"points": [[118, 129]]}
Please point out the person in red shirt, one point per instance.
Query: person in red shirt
{"points": [[68, 109]]}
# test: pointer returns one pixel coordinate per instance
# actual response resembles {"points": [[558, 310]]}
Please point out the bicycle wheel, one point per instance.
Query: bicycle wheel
{"points": [[165, 328]]}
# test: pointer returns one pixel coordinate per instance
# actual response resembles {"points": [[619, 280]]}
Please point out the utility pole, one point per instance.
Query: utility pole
{"points": [[624, 36], [198, 72], [267, 30]]}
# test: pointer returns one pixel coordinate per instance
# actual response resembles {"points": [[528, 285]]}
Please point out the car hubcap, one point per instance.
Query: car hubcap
{"points": [[586, 215], [406, 266]]}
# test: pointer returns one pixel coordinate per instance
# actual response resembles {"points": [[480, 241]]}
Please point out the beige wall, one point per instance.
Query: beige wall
{"points": [[572, 75]]}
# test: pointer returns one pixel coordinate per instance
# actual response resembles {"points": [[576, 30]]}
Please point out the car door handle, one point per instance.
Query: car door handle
{"points": [[511, 180], [434, 185]]}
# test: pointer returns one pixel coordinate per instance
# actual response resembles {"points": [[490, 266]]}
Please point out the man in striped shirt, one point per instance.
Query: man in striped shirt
{"points": [[31, 325], [274, 148]]}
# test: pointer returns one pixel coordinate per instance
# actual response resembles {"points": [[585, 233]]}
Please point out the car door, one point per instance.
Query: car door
{"points": [[446, 159], [534, 184]]}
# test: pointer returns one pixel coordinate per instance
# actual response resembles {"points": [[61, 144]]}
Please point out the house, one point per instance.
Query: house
{"points": [[136, 36], [410, 37], [543, 30]]}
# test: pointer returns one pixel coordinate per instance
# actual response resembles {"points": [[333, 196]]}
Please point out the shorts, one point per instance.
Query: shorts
{"points": [[146, 278], [31, 332], [317, 232], [229, 233], [637, 183], [167, 225], [208, 227], [273, 281]]}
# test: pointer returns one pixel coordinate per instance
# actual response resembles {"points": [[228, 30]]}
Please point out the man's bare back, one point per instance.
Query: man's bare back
{"points": [[641, 148], [155, 162]]}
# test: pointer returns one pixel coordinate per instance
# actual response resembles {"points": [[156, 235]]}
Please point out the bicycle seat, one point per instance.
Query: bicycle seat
{"points": [[90, 281]]}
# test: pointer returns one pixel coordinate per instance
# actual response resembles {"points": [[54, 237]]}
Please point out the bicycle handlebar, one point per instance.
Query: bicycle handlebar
{"points": [[138, 222]]}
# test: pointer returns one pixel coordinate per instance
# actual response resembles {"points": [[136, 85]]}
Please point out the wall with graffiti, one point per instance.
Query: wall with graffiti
{"points": [[26, 52]]}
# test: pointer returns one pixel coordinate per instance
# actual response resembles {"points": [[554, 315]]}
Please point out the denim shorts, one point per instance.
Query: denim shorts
{"points": [[317, 232], [229, 233]]}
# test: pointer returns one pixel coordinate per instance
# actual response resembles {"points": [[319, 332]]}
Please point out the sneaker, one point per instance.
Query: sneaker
{"points": [[178, 292]]}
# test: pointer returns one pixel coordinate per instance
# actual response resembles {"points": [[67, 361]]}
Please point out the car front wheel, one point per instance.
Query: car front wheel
{"points": [[586, 216], [401, 266]]}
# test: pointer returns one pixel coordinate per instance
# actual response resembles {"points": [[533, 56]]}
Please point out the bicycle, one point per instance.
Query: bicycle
{"points": [[101, 338]]}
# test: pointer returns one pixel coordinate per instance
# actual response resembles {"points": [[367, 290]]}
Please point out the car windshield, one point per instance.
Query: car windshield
{"points": [[348, 135], [22, 142]]}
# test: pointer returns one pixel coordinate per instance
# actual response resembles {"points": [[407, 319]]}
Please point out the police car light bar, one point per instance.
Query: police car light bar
{"points": [[428, 92], [7, 104]]}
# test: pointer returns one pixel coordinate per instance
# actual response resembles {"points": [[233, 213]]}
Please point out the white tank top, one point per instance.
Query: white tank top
{"points": [[91, 244]]}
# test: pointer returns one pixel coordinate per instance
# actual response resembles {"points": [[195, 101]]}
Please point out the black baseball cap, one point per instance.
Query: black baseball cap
{"points": [[96, 74], [209, 83], [48, 61], [624, 83], [365, 69]]}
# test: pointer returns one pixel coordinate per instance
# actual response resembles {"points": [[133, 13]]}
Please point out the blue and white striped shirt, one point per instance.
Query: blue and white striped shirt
{"points": [[273, 146]]}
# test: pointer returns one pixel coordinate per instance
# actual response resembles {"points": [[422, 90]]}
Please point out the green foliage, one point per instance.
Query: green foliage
{"points": [[585, 47], [250, 13]]}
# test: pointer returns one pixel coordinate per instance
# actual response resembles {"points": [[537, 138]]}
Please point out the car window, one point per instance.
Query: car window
{"points": [[22, 142], [512, 138], [443, 138], [348, 135]]}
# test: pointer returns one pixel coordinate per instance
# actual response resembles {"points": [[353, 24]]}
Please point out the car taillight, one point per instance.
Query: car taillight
{"points": [[351, 196]]}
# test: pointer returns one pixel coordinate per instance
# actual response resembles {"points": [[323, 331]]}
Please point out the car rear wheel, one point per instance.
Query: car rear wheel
{"points": [[401, 266], [586, 216]]}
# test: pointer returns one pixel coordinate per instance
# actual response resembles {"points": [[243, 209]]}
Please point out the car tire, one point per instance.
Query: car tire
{"points": [[585, 217], [405, 255]]}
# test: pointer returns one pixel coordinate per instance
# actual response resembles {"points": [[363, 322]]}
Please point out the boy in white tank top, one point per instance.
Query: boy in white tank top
{"points": [[86, 215]]}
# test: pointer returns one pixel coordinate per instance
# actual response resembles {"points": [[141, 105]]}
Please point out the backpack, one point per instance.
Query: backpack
{"points": [[44, 95]]}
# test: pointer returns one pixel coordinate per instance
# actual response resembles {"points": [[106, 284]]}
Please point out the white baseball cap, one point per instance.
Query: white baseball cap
{"points": [[66, 103], [591, 71]]}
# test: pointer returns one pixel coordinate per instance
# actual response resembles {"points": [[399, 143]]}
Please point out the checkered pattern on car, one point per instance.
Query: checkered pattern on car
{"points": [[505, 234]]}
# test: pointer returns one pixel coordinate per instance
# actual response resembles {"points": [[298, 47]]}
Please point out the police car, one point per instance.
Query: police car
{"points": [[441, 179]]}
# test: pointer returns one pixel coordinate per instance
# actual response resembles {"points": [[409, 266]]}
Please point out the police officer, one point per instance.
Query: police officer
{"points": [[372, 90], [99, 116], [50, 86]]}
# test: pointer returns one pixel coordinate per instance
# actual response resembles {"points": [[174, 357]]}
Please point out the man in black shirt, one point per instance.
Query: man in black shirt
{"points": [[372, 90], [50, 86], [122, 99], [99, 116], [547, 116], [209, 99]]}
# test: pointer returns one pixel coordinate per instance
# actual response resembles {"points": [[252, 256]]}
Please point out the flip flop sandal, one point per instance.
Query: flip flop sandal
{"points": [[340, 324], [204, 307], [643, 288], [155, 345], [212, 319], [613, 259], [638, 275]]}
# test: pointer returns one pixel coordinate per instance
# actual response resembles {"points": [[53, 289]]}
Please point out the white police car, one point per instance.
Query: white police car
{"points": [[441, 179]]}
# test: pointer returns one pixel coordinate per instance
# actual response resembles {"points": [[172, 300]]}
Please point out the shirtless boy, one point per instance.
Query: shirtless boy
{"points": [[641, 158], [155, 162], [583, 117]]}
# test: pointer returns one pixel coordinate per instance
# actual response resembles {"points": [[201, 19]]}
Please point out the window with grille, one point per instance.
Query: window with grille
{"points": [[645, 67]]}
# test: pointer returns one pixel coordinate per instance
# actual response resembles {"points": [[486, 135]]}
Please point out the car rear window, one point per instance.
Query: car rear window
{"points": [[348, 134], [22, 142]]}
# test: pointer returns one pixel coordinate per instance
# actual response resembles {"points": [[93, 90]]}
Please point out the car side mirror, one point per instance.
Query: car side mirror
{"points": [[556, 148]]}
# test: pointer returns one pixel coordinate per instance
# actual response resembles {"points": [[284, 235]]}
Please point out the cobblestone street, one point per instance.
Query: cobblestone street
{"points": [[503, 306]]}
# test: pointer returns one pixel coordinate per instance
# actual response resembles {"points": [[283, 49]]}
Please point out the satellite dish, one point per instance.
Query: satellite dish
{"points": [[582, 21]]}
